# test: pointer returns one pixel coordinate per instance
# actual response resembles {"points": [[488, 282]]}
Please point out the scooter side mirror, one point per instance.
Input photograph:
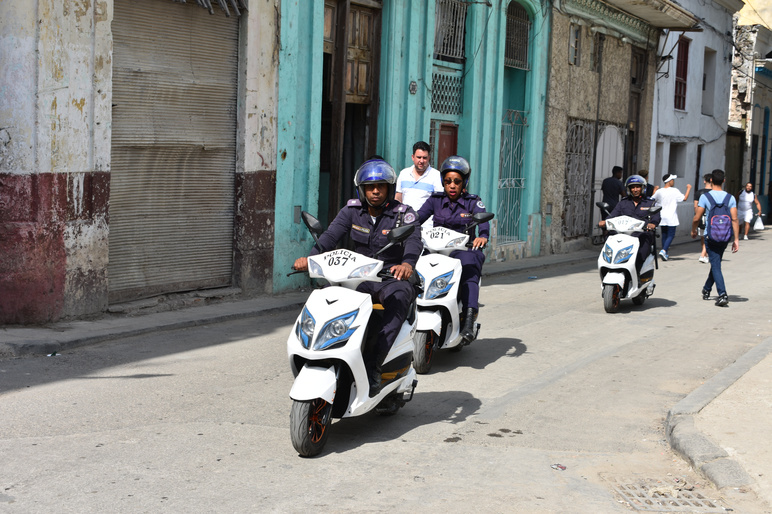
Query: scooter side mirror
{"points": [[604, 207], [313, 225], [482, 217], [396, 236], [655, 209]]}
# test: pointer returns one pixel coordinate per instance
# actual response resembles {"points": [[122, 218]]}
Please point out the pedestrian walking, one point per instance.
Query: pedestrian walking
{"points": [[717, 203], [706, 181], [745, 200], [669, 197], [416, 183], [650, 188]]}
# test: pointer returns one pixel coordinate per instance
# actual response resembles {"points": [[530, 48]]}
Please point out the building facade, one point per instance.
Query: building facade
{"points": [[693, 83], [137, 154], [750, 109]]}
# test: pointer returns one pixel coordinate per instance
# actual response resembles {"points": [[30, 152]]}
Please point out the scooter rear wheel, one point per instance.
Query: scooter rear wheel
{"points": [[310, 426], [423, 351], [611, 297]]}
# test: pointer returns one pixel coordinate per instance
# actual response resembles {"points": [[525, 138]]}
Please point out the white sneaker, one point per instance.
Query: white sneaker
{"points": [[745, 238], [663, 255], [703, 259]]}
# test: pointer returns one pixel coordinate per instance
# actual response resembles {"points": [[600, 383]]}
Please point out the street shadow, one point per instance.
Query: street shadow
{"points": [[547, 271], [477, 355], [451, 407]]}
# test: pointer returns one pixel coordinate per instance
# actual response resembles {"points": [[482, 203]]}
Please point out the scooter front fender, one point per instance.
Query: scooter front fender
{"points": [[429, 320], [314, 382], [614, 278]]}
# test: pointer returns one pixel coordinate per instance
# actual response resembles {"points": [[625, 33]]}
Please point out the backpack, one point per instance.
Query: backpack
{"points": [[719, 226]]}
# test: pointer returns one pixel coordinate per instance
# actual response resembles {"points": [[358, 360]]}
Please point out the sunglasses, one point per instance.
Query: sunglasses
{"points": [[456, 181]]}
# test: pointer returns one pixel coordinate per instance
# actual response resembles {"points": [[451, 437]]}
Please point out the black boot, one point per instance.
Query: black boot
{"points": [[467, 331], [374, 373]]}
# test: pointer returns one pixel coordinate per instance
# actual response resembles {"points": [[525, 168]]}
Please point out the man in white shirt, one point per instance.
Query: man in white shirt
{"points": [[745, 201], [668, 196], [417, 183]]}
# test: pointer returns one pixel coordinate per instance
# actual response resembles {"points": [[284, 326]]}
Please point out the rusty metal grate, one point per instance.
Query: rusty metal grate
{"points": [[668, 495]]}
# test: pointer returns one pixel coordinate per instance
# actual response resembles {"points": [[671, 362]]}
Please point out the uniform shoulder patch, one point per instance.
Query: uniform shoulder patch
{"points": [[480, 204], [409, 217], [354, 203]]}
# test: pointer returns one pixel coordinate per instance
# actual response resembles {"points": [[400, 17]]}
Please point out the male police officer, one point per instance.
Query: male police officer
{"points": [[637, 205], [367, 221]]}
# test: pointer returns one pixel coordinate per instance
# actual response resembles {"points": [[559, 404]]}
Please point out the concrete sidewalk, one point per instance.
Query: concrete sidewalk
{"points": [[721, 429]]}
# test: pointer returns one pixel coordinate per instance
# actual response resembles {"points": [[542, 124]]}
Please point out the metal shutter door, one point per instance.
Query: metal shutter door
{"points": [[173, 148]]}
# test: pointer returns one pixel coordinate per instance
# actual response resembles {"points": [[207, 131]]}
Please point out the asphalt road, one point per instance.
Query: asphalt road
{"points": [[197, 420]]}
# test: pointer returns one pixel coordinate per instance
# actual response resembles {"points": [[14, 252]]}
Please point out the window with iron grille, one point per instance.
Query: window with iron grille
{"points": [[574, 44], [518, 34], [682, 67], [449, 23]]}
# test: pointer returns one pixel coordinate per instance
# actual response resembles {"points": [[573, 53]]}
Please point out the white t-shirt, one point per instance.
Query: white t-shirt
{"points": [[668, 198], [746, 201], [415, 192]]}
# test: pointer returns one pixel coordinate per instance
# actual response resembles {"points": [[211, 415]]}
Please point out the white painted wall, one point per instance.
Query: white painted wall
{"points": [[690, 126]]}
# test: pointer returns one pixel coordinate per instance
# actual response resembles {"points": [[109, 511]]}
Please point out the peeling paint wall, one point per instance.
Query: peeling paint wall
{"points": [[54, 159], [573, 93], [256, 162]]}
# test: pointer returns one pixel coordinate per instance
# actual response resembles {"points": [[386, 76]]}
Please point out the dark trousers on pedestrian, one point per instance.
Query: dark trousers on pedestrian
{"points": [[396, 297], [471, 269], [715, 254], [668, 234]]}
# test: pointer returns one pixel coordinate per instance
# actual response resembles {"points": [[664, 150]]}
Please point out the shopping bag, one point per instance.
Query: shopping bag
{"points": [[758, 224]]}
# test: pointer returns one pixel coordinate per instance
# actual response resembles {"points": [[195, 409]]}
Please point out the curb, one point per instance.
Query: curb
{"points": [[704, 455]]}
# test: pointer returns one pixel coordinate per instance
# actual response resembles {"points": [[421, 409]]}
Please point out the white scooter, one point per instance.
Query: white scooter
{"points": [[326, 347], [616, 263], [439, 307]]}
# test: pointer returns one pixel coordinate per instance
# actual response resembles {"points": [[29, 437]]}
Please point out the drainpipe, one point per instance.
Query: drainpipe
{"points": [[601, 39]]}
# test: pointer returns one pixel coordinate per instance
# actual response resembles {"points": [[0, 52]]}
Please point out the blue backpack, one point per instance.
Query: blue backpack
{"points": [[719, 226]]}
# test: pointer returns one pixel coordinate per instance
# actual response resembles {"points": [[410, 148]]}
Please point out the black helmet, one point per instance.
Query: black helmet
{"points": [[375, 171], [459, 165], [636, 180]]}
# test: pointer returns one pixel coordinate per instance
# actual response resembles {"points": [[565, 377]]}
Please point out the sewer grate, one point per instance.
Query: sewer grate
{"points": [[670, 495]]}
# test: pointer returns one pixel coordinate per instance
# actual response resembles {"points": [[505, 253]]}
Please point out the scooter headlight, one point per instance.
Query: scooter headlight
{"points": [[336, 331], [363, 271], [305, 328], [439, 286], [623, 255], [314, 270], [608, 253], [455, 243]]}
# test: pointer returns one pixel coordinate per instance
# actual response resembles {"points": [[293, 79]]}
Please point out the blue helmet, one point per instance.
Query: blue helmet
{"points": [[636, 180], [457, 164], [375, 171]]}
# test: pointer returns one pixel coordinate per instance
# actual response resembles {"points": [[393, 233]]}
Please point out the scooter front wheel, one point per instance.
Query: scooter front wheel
{"points": [[423, 351], [310, 426], [610, 297]]}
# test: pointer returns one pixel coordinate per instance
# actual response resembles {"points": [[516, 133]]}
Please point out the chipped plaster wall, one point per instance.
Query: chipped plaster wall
{"points": [[53, 168], [573, 93], [256, 162]]}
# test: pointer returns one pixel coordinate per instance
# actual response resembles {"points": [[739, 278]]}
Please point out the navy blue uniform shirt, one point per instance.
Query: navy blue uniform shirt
{"points": [[627, 207], [369, 237], [454, 215]]}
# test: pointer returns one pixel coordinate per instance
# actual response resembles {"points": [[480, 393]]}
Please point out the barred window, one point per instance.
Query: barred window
{"points": [[574, 44], [518, 35], [449, 23]]}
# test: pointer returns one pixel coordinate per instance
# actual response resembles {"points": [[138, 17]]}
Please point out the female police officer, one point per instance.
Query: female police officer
{"points": [[453, 209]]}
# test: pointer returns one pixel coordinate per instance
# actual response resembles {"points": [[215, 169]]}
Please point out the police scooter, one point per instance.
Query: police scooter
{"points": [[327, 341], [616, 263], [439, 307]]}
